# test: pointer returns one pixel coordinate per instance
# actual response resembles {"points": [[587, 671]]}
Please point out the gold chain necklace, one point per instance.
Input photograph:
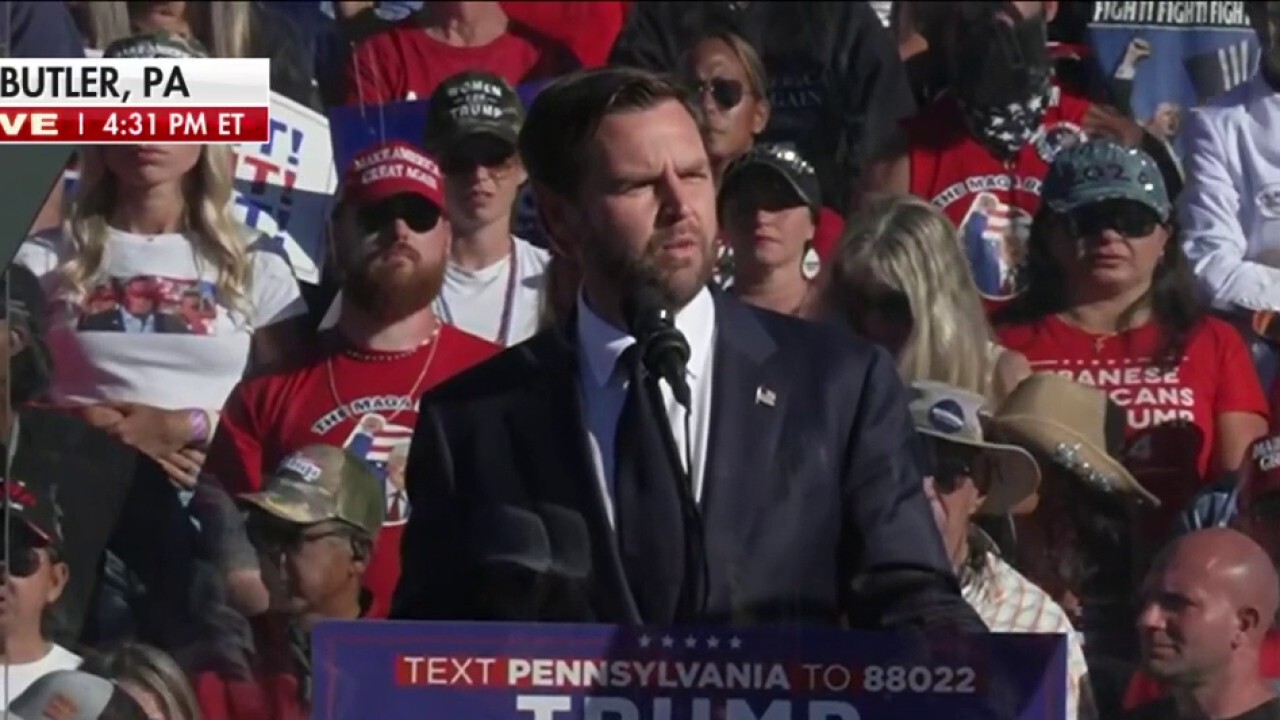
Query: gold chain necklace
{"points": [[345, 407]]}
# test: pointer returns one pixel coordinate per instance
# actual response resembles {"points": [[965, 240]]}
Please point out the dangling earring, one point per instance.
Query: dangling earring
{"points": [[810, 263]]}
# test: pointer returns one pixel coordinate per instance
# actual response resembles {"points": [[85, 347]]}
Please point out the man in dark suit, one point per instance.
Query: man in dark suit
{"points": [[798, 498]]}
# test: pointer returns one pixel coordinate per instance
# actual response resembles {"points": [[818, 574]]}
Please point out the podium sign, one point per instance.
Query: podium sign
{"points": [[367, 670]]}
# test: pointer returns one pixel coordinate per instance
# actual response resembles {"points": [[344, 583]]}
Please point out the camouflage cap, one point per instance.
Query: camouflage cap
{"points": [[320, 483], [156, 46]]}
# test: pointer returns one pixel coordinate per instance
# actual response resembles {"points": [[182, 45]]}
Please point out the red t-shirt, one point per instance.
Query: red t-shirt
{"points": [[1170, 433], [1143, 689], [404, 59], [269, 416], [991, 201], [586, 28]]}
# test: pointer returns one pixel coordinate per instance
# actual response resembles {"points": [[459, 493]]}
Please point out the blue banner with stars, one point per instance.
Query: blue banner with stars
{"points": [[508, 671]]}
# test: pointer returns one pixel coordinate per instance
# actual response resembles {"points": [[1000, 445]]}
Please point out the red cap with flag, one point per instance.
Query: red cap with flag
{"points": [[392, 168]]}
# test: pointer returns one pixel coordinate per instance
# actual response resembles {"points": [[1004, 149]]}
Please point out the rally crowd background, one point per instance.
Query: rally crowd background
{"points": [[1106, 305]]}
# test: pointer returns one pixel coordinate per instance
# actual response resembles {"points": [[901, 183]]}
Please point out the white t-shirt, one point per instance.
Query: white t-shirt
{"points": [[22, 675], [152, 329], [473, 300]]}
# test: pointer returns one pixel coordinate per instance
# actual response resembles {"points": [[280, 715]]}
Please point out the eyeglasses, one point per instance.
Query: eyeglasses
{"points": [[1126, 217], [280, 538], [725, 93], [419, 213], [497, 159]]}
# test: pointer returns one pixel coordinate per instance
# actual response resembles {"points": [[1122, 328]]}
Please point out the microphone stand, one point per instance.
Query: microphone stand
{"points": [[693, 597]]}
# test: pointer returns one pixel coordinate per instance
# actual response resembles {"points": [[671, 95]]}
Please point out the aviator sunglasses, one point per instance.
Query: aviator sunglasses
{"points": [[23, 557], [465, 161], [725, 93]]}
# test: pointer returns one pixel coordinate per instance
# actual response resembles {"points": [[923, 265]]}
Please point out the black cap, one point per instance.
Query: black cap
{"points": [[35, 506], [781, 159], [473, 103]]}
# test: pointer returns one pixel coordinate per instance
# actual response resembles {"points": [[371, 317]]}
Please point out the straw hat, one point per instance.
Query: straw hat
{"points": [[1075, 425], [956, 416]]}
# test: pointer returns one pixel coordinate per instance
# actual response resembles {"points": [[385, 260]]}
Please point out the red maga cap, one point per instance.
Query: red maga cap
{"points": [[392, 168]]}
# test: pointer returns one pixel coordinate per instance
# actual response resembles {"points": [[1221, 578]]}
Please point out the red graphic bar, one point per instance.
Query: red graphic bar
{"points": [[135, 125]]}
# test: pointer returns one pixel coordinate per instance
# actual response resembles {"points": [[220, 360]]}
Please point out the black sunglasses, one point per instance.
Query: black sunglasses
{"points": [[1126, 217], [465, 160], [419, 213], [761, 190], [23, 557], [725, 93]]}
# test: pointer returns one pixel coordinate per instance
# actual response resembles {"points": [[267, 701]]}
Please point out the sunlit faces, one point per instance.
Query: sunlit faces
{"points": [[313, 563], [394, 254], [647, 204], [765, 221], [1186, 627], [147, 166], [1113, 244], [735, 115], [482, 176], [34, 579]]}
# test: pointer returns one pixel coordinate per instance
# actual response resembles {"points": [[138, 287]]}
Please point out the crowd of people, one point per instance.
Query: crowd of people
{"points": [[979, 349]]}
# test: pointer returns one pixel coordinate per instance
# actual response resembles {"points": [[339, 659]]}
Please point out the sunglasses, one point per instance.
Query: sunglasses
{"points": [[725, 93], [24, 557], [496, 158], [419, 213], [1126, 217], [761, 191]]}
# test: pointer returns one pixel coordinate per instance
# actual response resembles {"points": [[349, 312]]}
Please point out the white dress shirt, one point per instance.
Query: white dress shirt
{"points": [[1230, 207], [604, 391]]}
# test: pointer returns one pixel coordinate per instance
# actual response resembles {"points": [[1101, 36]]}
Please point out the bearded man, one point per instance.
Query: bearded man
{"points": [[769, 477], [359, 389]]}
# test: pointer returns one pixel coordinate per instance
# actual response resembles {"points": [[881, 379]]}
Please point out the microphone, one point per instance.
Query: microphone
{"points": [[663, 349]]}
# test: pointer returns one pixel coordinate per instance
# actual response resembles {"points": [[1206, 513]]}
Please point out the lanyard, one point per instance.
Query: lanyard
{"points": [[508, 300]]}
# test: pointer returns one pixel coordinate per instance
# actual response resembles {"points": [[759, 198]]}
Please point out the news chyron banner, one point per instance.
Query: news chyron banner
{"points": [[506, 671], [135, 101]]}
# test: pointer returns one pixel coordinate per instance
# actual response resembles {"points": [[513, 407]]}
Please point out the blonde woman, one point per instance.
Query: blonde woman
{"points": [[900, 278], [158, 300], [235, 29], [150, 677]]}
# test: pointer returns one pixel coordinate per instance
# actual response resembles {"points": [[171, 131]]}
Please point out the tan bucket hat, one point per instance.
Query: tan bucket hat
{"points": [[1074, 425], [953, 415]]}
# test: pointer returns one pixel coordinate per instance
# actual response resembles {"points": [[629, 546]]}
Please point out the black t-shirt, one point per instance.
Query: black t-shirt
{"points": [[1165, 709]]}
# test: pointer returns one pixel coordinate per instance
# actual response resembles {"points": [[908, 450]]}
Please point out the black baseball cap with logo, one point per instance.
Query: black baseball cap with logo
{"points": [[776, 160], [34, 507], [473, 104]]}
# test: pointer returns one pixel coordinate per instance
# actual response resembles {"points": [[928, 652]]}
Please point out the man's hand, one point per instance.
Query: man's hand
{"points": [[156, 432], [1103, 121], [183, 467]]}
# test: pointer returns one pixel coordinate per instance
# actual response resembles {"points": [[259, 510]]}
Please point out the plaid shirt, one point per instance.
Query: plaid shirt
{"points": [[1008, 602]]}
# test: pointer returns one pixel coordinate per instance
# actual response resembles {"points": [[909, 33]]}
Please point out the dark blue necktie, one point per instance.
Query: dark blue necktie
{"points": [[647, 504]]}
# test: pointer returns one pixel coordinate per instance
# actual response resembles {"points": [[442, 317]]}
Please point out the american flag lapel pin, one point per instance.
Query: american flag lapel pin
{"points": [[765, 396]]}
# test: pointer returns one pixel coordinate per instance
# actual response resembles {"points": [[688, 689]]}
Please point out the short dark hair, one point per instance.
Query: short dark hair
{"points": [[566, 114]]}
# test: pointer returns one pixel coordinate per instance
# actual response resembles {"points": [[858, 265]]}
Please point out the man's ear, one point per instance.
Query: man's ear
{"points": [[19, 340], [557, 217]]}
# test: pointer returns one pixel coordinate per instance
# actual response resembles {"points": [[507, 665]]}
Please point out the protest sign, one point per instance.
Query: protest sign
{"points": [[508, 671], [1163, 59], [285, 186]]}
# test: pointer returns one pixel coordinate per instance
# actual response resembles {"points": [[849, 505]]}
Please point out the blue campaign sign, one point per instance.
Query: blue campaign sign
{"points": [[508, 671]]}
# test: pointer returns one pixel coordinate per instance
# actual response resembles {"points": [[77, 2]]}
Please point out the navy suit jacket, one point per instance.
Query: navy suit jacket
{"points": [[812, 507]]}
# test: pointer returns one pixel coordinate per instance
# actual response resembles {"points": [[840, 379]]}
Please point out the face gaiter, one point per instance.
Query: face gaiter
{"points": [[1002, 77]]}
